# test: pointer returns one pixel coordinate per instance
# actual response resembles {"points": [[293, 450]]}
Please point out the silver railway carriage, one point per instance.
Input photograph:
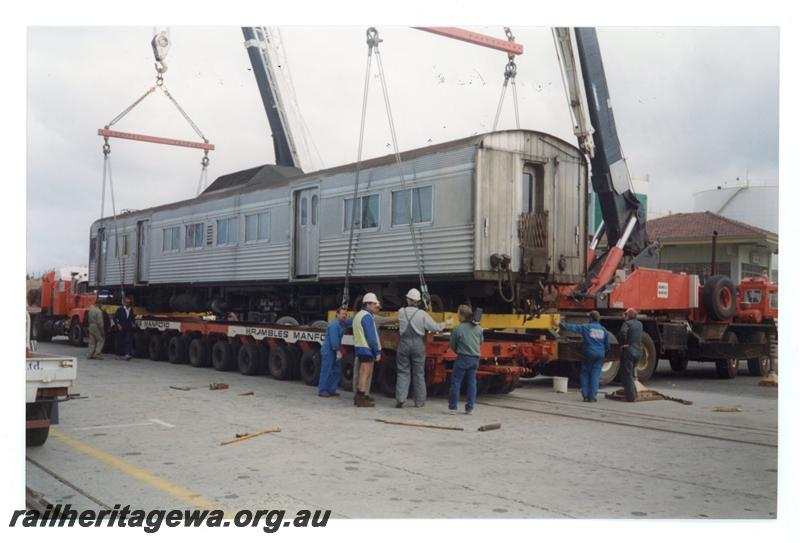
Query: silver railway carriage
{"points": [[495, 215]]}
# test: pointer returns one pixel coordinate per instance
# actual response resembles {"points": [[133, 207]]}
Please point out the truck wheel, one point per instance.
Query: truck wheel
{"points": [[251, 359], [222, 356], [679, 361], [719, 298], [759, 366], [310, 365], [609, 372], [648, 361], [177, 351], [76, 333], [35, 437], [728, 369], [156, 348], [39, 329], [198, 353], [387, 375], [348, 363], [280, 363]]}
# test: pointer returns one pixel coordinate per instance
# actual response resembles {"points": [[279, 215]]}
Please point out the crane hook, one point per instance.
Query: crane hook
{"points": [[160, 45]]}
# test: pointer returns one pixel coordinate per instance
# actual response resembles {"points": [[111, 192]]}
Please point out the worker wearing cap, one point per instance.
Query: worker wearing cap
{"points": [[596, 344], [414, 324], [331, 357], [368, 348], [630, 337], [97, 336]]}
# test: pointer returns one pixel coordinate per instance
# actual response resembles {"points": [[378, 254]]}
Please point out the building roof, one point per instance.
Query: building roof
{"points": [[701, 225]]}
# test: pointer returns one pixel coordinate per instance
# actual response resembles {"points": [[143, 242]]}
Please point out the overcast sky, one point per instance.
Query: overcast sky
{"points": [[695, 108]]}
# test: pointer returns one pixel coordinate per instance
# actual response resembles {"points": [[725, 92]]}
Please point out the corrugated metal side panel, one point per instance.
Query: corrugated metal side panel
{"points": [[444, 250], [242, 262], [115, 266]]}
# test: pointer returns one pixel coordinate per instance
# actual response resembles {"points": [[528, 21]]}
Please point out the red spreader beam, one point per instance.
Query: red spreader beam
{"points": [[510, 47], [106, 133]]}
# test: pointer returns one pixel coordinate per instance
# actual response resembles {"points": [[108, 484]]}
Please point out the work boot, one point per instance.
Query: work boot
{"points": [[357, 398], [361, 401], [398, 404]]}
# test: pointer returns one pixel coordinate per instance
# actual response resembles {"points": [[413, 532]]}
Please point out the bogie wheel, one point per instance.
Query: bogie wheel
{"points": [[387, 374], [198, 353], [346, 383], [310, 365], [222, 356], [250, 359], [679, 361], [319, 324], [287, 320], [156, 347], [76, 333], [35, 437], [727, 369], [437, 304], [281, 363], [177, 351], [759, 366], [648, 359]]}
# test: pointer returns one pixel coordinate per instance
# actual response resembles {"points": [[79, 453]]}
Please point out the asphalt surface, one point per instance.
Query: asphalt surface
{"points": [[134, 440]]}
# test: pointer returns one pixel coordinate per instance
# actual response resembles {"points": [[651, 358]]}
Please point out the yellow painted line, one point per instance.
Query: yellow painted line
{"points": [[176, 491]]}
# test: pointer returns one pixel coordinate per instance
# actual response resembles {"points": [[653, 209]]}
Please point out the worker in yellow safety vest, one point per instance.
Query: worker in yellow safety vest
{"points": [[368, 348]]}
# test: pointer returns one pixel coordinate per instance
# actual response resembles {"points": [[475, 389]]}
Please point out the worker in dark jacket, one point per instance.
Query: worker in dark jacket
{"points": [[596, 344], [630, 338], [331, 357], [123, 320]]}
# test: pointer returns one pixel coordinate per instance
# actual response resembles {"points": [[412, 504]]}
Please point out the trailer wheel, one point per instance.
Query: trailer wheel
{"points": [[719, 297], [76, 333], [483, 384], [649, 359], [177, 351], [387, 374], [502, 385], [139, 344], [280, 363], [250, 359], [678, 361], [759, 366], [35, 437], [729, 368], [310, 366], [156, 347], [348, 365], [222, 356], [39, 329], [296, 353], [198, 353]]}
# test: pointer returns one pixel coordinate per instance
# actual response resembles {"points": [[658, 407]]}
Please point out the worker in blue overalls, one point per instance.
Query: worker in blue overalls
{"points": [[330, 372], [596, 344]]}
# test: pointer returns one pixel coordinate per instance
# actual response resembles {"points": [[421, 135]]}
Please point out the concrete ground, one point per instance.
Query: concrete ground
{"points": [[134, 440]]}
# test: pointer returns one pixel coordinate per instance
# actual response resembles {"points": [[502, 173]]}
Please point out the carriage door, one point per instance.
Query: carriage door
{"points": [[141, 251], [306, 232]]}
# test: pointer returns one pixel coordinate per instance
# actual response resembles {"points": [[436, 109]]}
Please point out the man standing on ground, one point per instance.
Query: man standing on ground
{"points": [[630, 338], [465, 341], [414, 324], [97, 331], [368, 348], [123, 319], [330, 372], [596, 344]]}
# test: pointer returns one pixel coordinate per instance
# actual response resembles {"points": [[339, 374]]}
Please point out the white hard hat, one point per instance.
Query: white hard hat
{"points": [[413, 295], [369, 297]]}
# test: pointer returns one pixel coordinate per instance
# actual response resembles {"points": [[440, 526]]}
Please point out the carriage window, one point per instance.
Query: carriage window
{"points": [[421, 204], [194, 235], [533, 188], [303, 211], [367, 212], [227, 230], [121, 245], [171, 239], [256, 227], [314, 209]]}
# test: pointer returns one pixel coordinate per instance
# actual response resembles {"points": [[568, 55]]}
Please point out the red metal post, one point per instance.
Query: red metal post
{"points": [[106, 133], [506, 46]]}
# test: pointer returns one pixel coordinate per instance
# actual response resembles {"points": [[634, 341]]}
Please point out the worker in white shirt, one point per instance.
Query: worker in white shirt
{"points": [[415, 323]]}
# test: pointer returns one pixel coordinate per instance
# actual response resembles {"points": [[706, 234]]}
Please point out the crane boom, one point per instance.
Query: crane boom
{"points": [[256, 39]]}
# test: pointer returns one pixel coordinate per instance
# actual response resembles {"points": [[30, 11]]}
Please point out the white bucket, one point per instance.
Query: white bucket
{"points": [[560, 384]]}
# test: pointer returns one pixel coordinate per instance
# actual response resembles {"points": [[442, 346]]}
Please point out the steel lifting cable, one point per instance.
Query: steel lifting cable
{"points": [[509, 75], [107, 174]]}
